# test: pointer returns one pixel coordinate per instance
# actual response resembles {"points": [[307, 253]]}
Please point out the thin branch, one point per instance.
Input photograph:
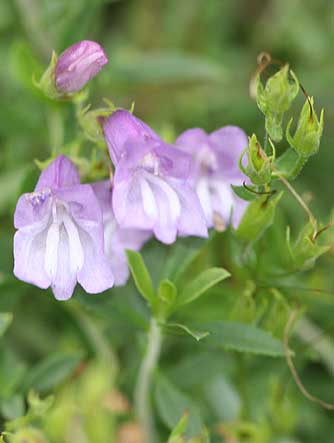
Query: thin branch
{"points": [[289, 355], [299, 199]]}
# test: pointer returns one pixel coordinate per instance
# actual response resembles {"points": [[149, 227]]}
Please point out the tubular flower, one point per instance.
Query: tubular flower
{"points": [[150, 188], [59, 241], [116, 239], [78, 64], [214, 166]]}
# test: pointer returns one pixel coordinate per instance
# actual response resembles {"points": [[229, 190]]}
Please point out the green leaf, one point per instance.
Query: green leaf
{"points": [[290, 164], [242, 337], [167, 291], [13, 407], [172, 404], [5, 320], [257, 218], [51, 371], [181, 255], [141, 276], [223, 399], [197, 335], [179, 430], [201, 284], [244, 193]]}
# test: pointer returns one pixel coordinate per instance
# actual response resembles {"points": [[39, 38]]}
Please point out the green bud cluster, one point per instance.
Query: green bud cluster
{"points": [[306, 140], [275, 98]]}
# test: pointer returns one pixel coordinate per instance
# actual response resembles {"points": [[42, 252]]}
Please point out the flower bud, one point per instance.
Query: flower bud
{"points": [[258, 168], [78, 64], [69, 72], [306, 140], [275, 99]]}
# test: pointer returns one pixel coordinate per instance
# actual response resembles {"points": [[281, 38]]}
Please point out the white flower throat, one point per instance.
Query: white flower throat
{"points": [[63, 247]]}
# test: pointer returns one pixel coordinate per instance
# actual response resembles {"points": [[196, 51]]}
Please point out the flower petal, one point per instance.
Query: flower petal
{"points": [[60, 173], [192, 140], [33, 209], [121, 127], [95, 275], [64, 277], [229, 143], [78, 64], [192, 219], [29, 252], [128, 204]]}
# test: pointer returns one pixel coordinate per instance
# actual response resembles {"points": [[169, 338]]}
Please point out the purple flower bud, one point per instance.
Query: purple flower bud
{"points": [[150, 188], [214, 168], [60, 239], [78, 64]]}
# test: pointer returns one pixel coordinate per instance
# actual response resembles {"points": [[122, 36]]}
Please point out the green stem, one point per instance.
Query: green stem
{"points": [[144, 381], [298, 166], [56, 130]]}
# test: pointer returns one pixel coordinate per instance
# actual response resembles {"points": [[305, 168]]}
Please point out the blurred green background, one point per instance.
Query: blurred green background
{"points": [[185, 63]]}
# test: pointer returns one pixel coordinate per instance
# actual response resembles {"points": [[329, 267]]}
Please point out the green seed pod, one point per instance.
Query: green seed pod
{"points": [[306, 140], [275, 99], [258, 168]]}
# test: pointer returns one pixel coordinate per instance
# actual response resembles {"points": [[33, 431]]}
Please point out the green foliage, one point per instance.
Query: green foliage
{"points": [[50, 372], [141, 276], [5, 320], [186, 69], [201, 284], [172, 404], [258, 217], [242, 338]]}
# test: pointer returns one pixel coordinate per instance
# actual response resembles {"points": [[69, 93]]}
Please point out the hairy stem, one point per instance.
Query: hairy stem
{"points": [[143, 385]]}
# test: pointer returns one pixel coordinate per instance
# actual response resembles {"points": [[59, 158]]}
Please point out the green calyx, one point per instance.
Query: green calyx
{"points": [[91, 121], [306, 140], [275, 98], [259, 166], [47, 83]]}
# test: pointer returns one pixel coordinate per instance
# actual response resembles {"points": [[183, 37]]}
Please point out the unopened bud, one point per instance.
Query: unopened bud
{"points": [[275, 99], [306, 140], [70, 72]]}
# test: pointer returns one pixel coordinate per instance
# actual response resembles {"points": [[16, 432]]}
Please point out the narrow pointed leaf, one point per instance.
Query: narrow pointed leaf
{"points": [[242, 337], [5, 321], [201, 284], [141, 276], [197, 335]]}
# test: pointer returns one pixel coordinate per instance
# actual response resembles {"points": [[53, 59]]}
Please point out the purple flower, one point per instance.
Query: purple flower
{"points": [[150, 188], [116, 239], [215, 160], [78, 64], [59, 241]]}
